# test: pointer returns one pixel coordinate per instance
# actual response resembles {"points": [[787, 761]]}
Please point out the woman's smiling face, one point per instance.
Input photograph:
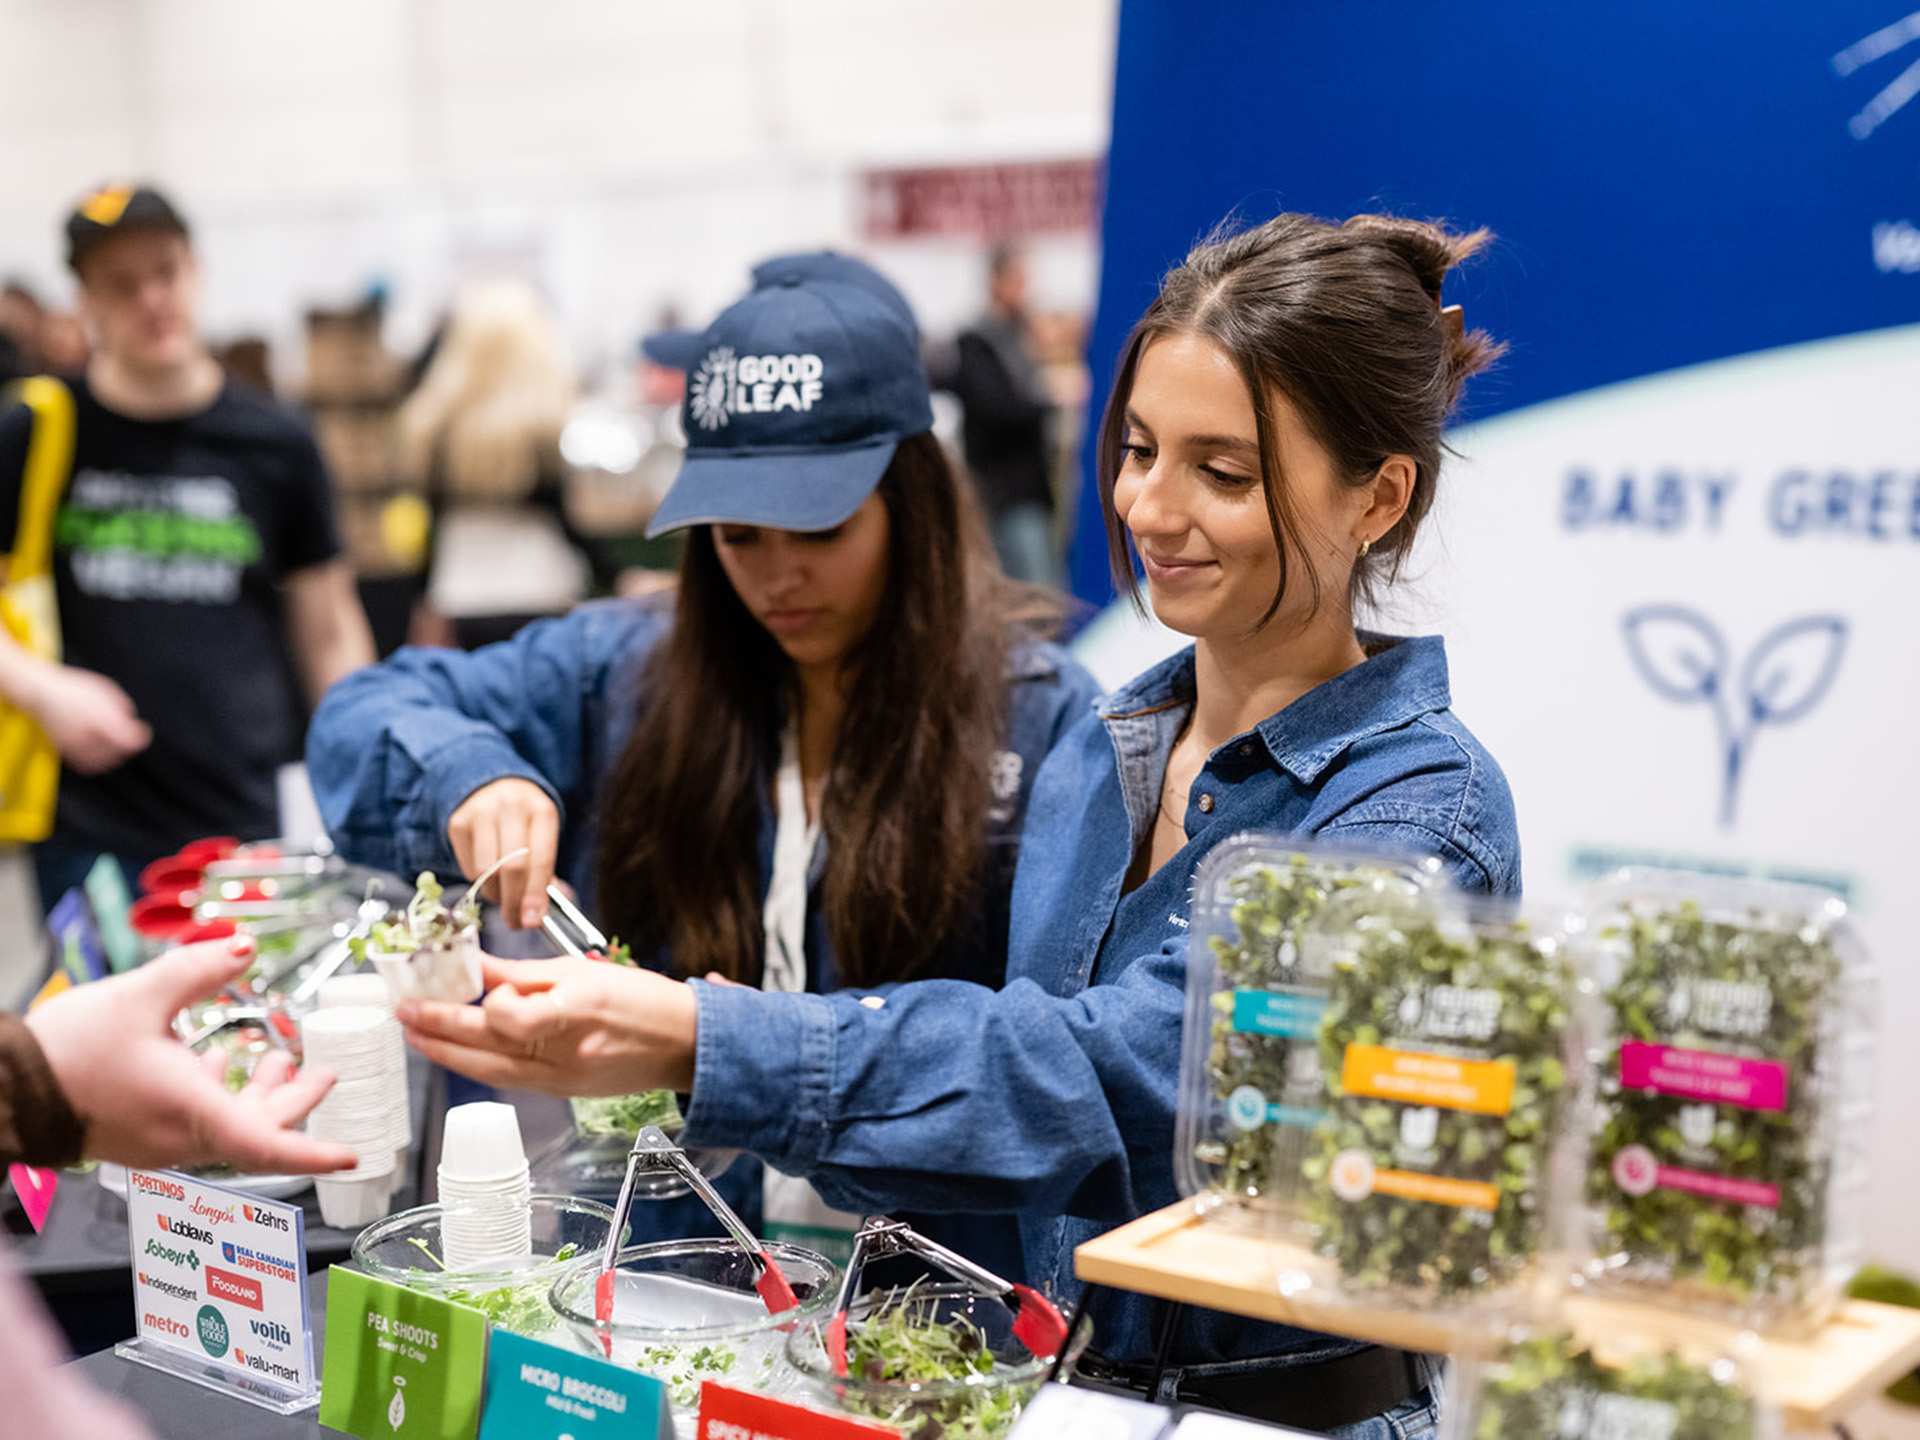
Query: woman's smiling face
{"points": [[1192, 494]]}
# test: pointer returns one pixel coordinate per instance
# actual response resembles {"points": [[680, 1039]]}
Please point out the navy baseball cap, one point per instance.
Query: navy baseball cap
{"points": [[801, 393], [681, 349], [118, 210]]}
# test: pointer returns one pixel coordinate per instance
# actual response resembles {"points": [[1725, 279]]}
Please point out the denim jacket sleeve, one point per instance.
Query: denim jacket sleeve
{"points": [[1014, 1099], [394, 749]]}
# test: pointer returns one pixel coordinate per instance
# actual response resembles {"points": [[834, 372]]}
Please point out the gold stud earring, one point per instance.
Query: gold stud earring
{"points": [[1365, 546]]}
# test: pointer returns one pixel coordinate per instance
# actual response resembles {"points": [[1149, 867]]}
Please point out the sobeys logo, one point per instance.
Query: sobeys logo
{"points": [[186, 1259], [212, 1326]]}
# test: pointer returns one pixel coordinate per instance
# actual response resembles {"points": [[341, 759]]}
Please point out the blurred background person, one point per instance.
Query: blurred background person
{"points": [[21, 317], [481, 434], [203, 601], [1007, 415]]}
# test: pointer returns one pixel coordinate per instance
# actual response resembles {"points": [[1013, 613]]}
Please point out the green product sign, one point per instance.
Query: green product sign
{"points": [[400, 1365]]}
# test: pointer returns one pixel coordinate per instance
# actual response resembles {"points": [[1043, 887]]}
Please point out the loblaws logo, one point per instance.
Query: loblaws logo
{"points": [[154, 1185], [270, 1219], [180, 1230], [167, 1287], [271, 1331], [188, 1259]]}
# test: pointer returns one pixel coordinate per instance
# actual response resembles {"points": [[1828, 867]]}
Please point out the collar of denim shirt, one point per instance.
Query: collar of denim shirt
{"points": [[1400, 680]]}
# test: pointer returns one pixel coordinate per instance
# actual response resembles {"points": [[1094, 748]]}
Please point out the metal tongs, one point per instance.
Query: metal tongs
{"points": [[579, 937], [1037, 1324], [653, 1151]]}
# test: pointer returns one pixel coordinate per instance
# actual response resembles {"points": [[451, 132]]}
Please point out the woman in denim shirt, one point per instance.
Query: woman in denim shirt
{"points": [[1273, 442], [808, 768]]}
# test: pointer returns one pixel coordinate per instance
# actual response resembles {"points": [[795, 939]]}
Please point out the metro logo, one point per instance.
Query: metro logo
{"points": [[165, 1325], [225, 1285]]}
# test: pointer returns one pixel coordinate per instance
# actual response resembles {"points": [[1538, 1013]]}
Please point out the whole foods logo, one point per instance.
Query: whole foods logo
{"points": [[180, 1230], [267, 1219], [153, 1185], [727, 384], [1685, 658], [212, 1328], [185, 1259]]}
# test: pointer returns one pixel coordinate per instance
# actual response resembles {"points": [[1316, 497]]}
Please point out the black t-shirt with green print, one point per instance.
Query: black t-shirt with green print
{"points": [[170, 550]]}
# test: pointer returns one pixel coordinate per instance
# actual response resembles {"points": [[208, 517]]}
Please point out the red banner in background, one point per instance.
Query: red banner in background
{"points": [[981, 201], [735, 1415]]}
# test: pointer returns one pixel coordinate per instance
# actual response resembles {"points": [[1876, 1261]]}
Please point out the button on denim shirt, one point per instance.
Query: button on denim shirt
{"points": [[1051, 1102], [394, 749]]}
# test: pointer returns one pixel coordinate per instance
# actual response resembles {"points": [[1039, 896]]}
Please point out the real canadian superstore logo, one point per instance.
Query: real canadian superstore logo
{"points": [[245, 1259]]}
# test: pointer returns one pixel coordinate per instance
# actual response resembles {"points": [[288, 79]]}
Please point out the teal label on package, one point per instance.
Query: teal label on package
{"points": [[1263, 1012], [538, 1392], [1248, 1109]]}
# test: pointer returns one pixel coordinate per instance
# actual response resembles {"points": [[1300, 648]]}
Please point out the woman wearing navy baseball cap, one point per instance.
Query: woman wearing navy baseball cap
{"points": [[805, 770]]}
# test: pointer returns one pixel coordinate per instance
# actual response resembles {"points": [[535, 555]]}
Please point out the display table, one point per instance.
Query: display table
{"points": [[1174, 1254]]}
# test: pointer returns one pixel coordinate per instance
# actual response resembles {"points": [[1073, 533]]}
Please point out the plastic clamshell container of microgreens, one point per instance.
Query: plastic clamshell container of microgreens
{"points": [[1249, 1064], [1731, 1090], [1447, 1046], [929, 1359], [1551, 1387]]}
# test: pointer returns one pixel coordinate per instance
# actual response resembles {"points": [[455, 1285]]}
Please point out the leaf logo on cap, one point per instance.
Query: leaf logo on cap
{"points": [[105, 207], [708, 391]]}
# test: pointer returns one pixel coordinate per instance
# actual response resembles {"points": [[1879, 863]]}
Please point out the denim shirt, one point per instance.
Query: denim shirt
{"points": [[1051, 1101], [394, 749]]}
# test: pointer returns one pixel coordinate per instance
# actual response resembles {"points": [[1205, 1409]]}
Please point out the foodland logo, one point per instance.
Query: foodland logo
{"points": [[1685, 658], [180, 1230], [154, 1185], [726, 384], [239, 1289]]}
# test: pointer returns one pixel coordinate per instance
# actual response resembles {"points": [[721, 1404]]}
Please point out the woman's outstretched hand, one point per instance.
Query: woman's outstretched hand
{"points": [[565, 1027]]}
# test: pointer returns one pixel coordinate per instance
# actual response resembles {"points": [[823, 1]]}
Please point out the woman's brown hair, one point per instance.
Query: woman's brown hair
{"points": [[905, 806], [1345, 320]]}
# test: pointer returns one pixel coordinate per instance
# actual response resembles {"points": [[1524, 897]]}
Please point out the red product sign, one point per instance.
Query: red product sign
{"points": [[1704, 1075], [239, 1289], [735, 1415], [1720, 1187]]}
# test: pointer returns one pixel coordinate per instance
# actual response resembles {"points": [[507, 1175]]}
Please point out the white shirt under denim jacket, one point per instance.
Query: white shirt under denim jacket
{"points": [[1051, 1102]]}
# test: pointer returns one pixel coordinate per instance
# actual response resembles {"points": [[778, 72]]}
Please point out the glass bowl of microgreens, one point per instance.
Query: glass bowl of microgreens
{"points": [[937, 1360], [686, 1311], [568, 1233]]}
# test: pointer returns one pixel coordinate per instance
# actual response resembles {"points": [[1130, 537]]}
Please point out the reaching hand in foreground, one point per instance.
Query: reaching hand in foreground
{"points": [[148, 1100], [567, 1027]]}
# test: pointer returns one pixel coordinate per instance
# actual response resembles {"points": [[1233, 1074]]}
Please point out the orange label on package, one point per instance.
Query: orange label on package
{"points": [[1412, 1077], [1437, 1190]]}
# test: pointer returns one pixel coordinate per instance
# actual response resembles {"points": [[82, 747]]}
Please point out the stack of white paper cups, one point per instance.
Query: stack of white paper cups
{"points": [[356, 1043], [372, 991], [486, 1194]]}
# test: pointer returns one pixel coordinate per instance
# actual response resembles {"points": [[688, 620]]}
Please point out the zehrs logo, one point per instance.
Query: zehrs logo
{"points": [[266, 1219]]}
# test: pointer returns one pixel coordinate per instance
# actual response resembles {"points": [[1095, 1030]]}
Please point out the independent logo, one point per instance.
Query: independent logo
{"points": [[727, 384], [167, 1287]]}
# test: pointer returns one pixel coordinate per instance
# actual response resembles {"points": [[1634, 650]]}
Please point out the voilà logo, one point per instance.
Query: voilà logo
{"points": [[727, 384]]}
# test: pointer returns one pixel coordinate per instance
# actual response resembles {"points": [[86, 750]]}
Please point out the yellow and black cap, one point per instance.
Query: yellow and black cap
{"points": [[118, 210]]}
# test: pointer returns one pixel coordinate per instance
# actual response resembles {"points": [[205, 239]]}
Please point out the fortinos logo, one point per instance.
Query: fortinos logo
{"points": [[212, 1326], [726, 384]]}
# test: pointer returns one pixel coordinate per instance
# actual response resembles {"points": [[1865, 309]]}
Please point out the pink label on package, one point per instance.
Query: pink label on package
{"points": [[1720, 1187], [36, 1189], [1704, 1075]]}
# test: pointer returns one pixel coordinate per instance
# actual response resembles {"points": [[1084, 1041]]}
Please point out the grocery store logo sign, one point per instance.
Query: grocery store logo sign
{"points": [[154, 1185], [167, 1287], [1685, 658], [185, 1259], [181, 1230], [245, 1259], [726, 384], [215, 1215], [269, 1219]]}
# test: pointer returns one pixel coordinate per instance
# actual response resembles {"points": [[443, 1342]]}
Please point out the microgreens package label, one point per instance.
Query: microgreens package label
{"points": [[400, 1365], [728, 1414], [220, 1275], [540, 1392]]}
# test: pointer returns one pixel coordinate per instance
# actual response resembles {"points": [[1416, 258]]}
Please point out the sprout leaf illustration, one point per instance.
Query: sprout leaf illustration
{"points": [[1790, 670], [1679, 652]]}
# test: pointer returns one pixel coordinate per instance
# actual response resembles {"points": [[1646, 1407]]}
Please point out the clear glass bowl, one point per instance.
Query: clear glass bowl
{"points": [[685, 1311], [979, 1406], [567, 1233]]}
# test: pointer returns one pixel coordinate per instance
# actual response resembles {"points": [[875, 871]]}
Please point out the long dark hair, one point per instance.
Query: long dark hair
{"points": [[905, 806], [1344, 320]]}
